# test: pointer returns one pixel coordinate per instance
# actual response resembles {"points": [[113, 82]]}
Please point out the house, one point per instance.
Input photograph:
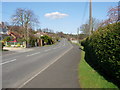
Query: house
{"points": [[39, 34], [3, 30], [73, 40], [40, 42]]}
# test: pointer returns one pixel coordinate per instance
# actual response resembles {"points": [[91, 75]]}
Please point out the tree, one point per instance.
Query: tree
{"points": [[85, 28], [113, 16], [95, 23], [25, 18], [61, 34], [45, 30], [47, 40]]}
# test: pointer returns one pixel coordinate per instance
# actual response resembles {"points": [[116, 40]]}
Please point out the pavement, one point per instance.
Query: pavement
{"points": [[44, 67], [11, 50]]}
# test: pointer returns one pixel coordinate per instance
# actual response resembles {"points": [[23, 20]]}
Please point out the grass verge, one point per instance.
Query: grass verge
{"points": [[89, 78]]}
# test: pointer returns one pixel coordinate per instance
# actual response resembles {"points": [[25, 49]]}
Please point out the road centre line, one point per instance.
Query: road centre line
{"points": [[33, 54], [47, 50], [10, 58], [44, 68], [54, 48], [8, 62]]}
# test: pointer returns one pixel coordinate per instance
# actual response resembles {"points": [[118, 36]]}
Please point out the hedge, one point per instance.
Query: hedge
{"points": [[103, 51]]}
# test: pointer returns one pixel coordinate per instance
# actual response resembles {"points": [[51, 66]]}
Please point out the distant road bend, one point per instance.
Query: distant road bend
{"points": [[54, 66]]}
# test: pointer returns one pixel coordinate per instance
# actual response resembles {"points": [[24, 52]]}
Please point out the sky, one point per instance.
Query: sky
{"points": [[59, 16]]}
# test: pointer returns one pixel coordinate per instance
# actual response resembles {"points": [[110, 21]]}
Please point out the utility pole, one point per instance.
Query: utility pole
{"points": [[90, 17]]}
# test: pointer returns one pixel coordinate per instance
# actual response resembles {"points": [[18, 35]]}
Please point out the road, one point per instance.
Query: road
{"points": [[53, 66]]}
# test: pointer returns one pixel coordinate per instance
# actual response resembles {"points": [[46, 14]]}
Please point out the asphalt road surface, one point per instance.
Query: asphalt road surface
{"points": [[53, 66]]}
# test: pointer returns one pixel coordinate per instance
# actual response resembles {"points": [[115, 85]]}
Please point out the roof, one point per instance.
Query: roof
{"points": [[40, 34]]}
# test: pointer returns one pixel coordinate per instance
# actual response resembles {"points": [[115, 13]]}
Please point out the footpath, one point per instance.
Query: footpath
{"points": [[11, 50]]}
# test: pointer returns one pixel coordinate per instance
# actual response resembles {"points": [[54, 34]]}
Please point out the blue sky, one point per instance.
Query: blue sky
{"points": [[70, 15]]}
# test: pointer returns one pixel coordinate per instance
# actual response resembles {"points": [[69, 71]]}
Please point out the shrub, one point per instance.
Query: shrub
{"points": [[32, 41], [1, 45], [6, 39], [8, 45], [103, 50], [48, 40], [18, 45]]}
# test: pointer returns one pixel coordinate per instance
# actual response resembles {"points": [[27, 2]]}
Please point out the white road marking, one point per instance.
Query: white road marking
{"points": [[44, 68], [47, 50], [8, 62], [54, 48], [11, 58], [33, 54]]}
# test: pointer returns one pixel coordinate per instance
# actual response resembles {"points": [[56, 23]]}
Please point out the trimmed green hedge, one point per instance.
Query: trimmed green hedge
{"points": [[103, 50]]}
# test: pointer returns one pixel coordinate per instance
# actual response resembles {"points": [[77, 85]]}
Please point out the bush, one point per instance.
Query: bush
{"points": [[48, 40], [18, 45], [9, 45], [103, 50], [1, 45], [6, 39], [32, 41]]}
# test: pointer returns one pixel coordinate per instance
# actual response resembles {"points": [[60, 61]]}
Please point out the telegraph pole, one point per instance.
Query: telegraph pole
{"points": [[90, 17]]}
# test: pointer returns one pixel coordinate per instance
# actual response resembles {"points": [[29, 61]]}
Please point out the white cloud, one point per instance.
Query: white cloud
{"points": [[55, 15]]}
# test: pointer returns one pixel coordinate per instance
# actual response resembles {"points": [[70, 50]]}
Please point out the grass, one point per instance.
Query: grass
{"points": [[89, 78]]}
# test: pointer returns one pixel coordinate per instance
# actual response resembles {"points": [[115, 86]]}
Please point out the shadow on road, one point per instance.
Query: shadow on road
{"points": [[5, 50]]}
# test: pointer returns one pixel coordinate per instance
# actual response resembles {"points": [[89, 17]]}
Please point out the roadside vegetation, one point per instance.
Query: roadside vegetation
{"points": [[90, 78], [1, 46], [102, 52]]}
